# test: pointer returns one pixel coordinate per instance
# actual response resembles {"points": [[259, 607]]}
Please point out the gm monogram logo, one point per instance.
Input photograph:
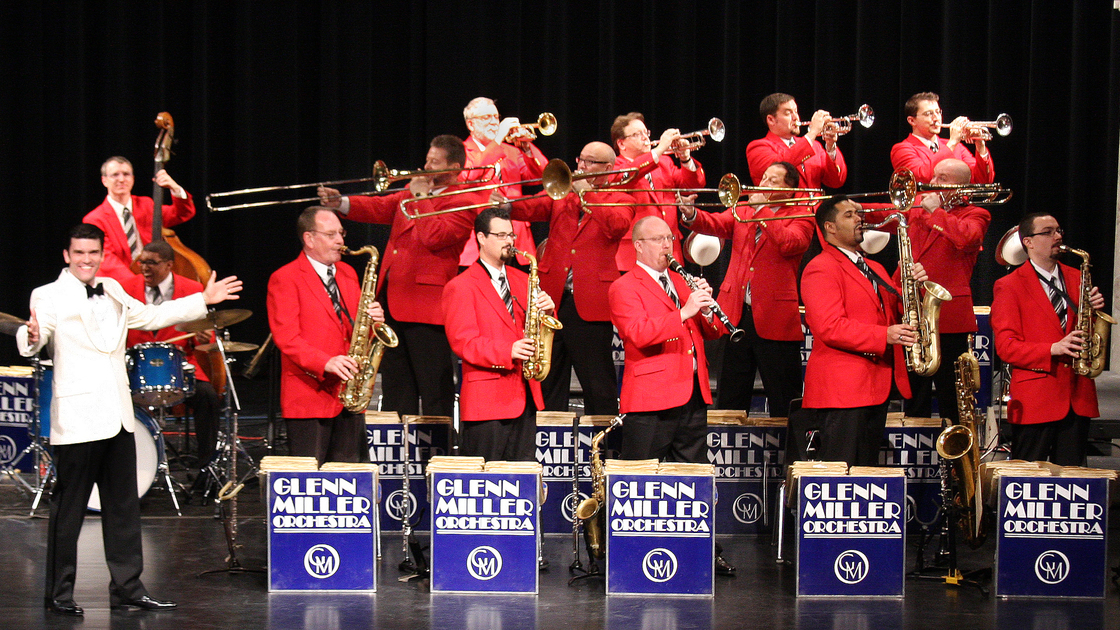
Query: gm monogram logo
{"points": [[911, 508], [851, 567], [484, 563], [395, 505], [8, 449], [1051, 567], [659, 565], [569, 504], [321, 561], [747, 508]]}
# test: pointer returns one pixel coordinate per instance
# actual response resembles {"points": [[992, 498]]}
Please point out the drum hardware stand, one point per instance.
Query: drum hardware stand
{"points": [[414, 563], [163, 469], [576, 567], [43, 462], [228, 494]]}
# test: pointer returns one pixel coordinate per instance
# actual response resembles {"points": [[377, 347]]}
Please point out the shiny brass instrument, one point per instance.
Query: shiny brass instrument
{"points": [[924, 357], [978, 129], [692, 141], [453, 193], [736, 333], [960, 443], [355, 394], [540, 327], [903, 189], [546, 124], [590, 510], [728, 191], [865, 117], [1096, 325], [557, 177]]}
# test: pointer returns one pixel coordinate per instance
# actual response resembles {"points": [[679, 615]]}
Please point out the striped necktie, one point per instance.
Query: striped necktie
{"points": [[1057, 301], [503, 290], [131, 233], [664, 278], [336, 297]]}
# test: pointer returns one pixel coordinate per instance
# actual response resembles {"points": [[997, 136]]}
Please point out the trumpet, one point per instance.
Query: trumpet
{"points": [[382, 177], [978, 130], [865, 117], [693, 141], [546, 124]]}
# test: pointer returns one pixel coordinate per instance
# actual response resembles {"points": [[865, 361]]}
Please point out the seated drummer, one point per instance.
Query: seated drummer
{"points": [[156, 284]]}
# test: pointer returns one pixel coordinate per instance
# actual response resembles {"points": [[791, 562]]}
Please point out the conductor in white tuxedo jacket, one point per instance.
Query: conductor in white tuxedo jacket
{"points": [[83, 322]]}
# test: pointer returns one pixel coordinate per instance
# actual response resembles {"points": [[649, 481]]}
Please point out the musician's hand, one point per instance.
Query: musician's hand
{"points": [[665, 143], [929, 202], [902, 334], [329, 197], [981, 146], [164, 180], [919, 272], [688, 213], [1096, 300], [221, 290], [698, 301], [956, 131], [816, 124], [522, 349], [420, 186], [757, 199], [544, 302], [830, 133], [341, 366], [581, 184], [504, 128], [497, 198], [376, 313], [33, 328], [1069, 346], [202, 337]]}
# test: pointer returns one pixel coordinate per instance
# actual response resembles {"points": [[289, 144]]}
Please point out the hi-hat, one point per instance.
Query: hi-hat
{"points": [[216, 319], [9, 324], [230, 346]]}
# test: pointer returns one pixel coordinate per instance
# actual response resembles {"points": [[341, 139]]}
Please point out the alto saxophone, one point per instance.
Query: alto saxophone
{"points": [[539, 327], [356, 393], [924, 357], [1096, 325], [960, 443], [590, 510]]}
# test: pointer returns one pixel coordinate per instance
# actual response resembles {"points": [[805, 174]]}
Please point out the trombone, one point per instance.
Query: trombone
{"points": [[693, 141], [546, 124], [865, 117], [729, 192], [383, 176]]}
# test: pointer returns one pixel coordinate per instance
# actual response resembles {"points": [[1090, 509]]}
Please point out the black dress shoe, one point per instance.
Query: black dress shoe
{"points": [[64, 607], [144, 603], [723, 567]]}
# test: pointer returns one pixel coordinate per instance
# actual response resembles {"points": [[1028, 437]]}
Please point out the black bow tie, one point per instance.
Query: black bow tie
{"points": [[92, 291]]}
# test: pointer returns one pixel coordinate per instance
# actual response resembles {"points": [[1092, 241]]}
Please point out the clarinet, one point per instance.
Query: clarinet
{"points": [[736, 333]]}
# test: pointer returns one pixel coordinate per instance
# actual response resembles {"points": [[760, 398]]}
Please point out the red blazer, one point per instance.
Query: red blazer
{"points": [[1043, 387], [810, 158], [513, 167], [770, 267], [134, 286], [422, 255], [915, 155], [947, 243], [118, 257], [851, 363], [666, 174], [584, 242], [658, 372], [481, 332], [308, 333]]}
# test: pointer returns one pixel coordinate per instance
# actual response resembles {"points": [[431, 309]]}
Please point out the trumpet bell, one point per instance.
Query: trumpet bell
{"points": [[866, 116], [716, 129], [1010, 251], [1003, 124], [546, 123], [874, 241], [702, 249]]}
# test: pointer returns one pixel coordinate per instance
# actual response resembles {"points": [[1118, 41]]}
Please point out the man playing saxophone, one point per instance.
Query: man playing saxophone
{"points": [[1035, 323], [312, 304], [484, 311]]}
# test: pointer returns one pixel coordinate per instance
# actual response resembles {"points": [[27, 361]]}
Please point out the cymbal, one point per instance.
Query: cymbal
{"points": [[216, 319], [9, 324], [231, 346]]}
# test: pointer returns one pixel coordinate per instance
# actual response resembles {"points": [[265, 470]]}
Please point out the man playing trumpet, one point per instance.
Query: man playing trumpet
{"points": [[923, 148], [815, 164]]}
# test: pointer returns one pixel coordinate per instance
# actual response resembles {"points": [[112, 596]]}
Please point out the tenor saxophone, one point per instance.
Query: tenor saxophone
{"points": [[590, 510], [960, 443], [365, 349], [540, 327], [923, 313], [1096, 325]]}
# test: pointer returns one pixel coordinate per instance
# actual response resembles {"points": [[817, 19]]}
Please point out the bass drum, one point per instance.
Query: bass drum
{"points": [[149, 455]]}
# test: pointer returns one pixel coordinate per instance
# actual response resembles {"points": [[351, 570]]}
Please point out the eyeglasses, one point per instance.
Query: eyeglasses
{"points": [[501, 236], [669, 238], [486, 118], [590, 161], [644, 133], [151, 263], [330, 235], [1048, 233]]}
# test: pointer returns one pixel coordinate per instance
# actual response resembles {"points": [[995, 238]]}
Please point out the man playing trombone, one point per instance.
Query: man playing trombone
{"points": [[759, 292], [815, 164], [923, 148], [422, 255]]}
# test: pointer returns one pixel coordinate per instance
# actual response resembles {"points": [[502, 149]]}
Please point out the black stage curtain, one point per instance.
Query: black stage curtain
{"points": [[282, 92]]}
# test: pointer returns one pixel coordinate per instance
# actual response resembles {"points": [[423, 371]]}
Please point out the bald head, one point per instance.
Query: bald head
{"points": [[596, 157], [951, 171], [652, 241], [600, 151]]}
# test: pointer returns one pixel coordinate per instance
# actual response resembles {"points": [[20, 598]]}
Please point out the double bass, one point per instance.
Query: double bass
{"points": [[187, 262]]}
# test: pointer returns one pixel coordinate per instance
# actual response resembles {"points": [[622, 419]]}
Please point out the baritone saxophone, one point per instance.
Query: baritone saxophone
{"points": [[365, 348]]}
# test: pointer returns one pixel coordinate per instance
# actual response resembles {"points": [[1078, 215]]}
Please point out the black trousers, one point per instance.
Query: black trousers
{"points": [[943, 382], [419, 368], [673, 435], [338, 439], [512, 439], [778, 362], [206, 407], [853, 435], [585, 346], [1064, 442], [111, 464]]}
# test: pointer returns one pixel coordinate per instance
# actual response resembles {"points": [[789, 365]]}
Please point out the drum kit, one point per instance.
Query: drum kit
{"points": [[160, 377]]}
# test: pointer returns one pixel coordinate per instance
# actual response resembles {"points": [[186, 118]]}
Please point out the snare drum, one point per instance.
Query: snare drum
{"points": [[149, 455], [188, 380], [155, 373]]}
